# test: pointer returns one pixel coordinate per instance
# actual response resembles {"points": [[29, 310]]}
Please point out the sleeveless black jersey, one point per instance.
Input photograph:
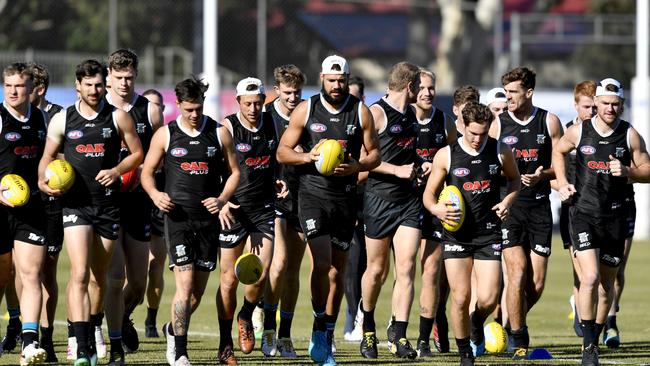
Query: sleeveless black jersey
{"points": [[193, 168], [478, 177], [432, 135], [532, 147], [570, 159], [598, 192], [256, 158], [343, 125], [91, 145], [397, 145], [51, 109], [139, 111], [21, 144], [283, 171]]}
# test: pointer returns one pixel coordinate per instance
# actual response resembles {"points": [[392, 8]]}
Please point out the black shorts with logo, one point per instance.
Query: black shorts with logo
{"points": [[335, 217], [135, 212], [529, 225], [381, 218], [25, 223], [287, 209], [249, 219], [53, 207], [105, 219], [482, 247], [192, 241], [431, 226], [157, 222], [605, 233]]}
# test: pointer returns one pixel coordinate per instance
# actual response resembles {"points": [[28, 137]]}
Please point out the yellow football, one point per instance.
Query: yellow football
{"points": [[17, 189], [496, 338], [60, 175], [248, 268], [331, 155], [452, 193]]}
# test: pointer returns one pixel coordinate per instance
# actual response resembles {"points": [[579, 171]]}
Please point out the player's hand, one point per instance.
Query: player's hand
{"points": [[3, 200], [313, 154], [349, 166], [404, 171], [617, 168], [226, 216], [530, 180], [45, 188], [213, 204], [446, 212], [107, 177], [281, 188], [566, 191], [162, 201], [501, 210], [426, 168]]}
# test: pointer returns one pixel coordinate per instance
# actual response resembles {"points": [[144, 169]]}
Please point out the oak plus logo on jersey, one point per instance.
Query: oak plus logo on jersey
{"points": [[477, 186], [90, 150], [243, 147], [258, 162], [12, 136], [195, 167], [318, 127], [587, 150], [406, 142], [600, 167], [178, 152], [510, 140], [74, 134], [427, 154], [460, 172], [527, 155], [27, 152]]}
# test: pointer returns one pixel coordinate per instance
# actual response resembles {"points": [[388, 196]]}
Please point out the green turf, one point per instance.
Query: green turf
{"points": [[548, 324]]}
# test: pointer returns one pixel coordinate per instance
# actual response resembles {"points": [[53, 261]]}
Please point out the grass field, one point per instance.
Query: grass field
{"points": [[548, 324]]}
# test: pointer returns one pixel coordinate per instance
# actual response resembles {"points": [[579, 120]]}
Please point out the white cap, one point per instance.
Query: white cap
{"points": [[495, 95], [601, 88], [329, 66], [250, 86]]}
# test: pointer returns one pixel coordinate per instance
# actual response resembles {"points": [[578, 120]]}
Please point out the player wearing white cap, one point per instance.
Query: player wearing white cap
{"points": [[496, 100], [326, 203]]}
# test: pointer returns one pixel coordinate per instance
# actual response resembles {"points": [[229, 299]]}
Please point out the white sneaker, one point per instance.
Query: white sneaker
{"points": [[170, 354], [285, 347], [182, 361], [348, 325], [72, 348], [100, 343], [32, 355], [333, 345], [258, 321], [269, 343], [356, 335]]}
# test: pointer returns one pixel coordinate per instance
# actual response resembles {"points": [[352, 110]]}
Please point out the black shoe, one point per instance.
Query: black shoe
{"points": [[12, 337], [424, 349], [390, 332], [150, 331], [130, 340], [590, 356], [368, 346], [48, 346], [402, 349], [467, 359], [520, 353], [116, 359], [441, 334]]}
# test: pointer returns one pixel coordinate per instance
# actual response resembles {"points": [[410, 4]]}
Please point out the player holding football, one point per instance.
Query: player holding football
{"points": [[474, 164], [326, 204], [609, 152]]}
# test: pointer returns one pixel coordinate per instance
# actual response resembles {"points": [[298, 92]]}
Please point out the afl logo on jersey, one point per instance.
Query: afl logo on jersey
{"points": [[461, 172], [178, 152], [318, 127], [587, 150], [243, 147], [75, 134], [395, 129], [12, 136], [510, 140]]}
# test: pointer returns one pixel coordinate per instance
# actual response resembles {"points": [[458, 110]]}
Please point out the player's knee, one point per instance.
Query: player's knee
{"points": [[460, 302], [589, 279]]}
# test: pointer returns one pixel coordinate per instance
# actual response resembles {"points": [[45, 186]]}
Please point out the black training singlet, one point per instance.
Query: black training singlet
{"points": [[139, 112], [532, 147], [193, 168], [478, 177], [283, 171], [343, 125], [51, 109], [397, 145], [256, 158], [432, 135], [91, 145], [598, 193], [21, 144]]}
